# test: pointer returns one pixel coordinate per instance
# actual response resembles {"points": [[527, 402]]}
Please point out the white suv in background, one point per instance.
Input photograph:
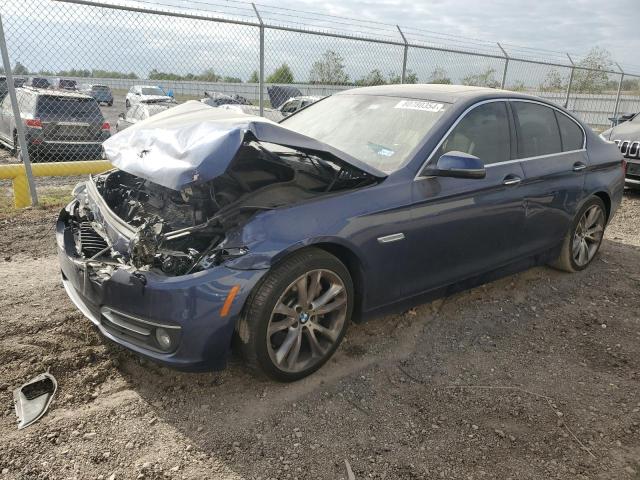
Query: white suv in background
{"points": [[146, 93]]}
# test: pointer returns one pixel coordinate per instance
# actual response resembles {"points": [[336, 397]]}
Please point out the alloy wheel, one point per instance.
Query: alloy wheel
{"points": [[588, 235], [307, 321]]}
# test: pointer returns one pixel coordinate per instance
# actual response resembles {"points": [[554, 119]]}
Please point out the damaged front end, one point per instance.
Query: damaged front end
{"points": [[145, 248]]}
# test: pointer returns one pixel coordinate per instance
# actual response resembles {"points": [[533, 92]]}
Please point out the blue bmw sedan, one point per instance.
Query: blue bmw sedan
{"points": [[215, 225]]}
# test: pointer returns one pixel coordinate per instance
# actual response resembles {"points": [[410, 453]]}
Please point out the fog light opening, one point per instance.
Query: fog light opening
{"points": [[163, 338]]}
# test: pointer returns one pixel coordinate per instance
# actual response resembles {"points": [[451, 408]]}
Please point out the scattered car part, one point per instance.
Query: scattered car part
{"points": [[32, 400]]}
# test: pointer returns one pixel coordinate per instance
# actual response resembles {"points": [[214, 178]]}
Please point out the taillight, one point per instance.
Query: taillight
{"points": [[106, 126], [33, 123]]}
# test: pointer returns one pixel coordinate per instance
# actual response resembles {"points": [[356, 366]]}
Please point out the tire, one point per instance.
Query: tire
{"points": [[264, 333], [127, 104], [569, 260], [110, 104]]}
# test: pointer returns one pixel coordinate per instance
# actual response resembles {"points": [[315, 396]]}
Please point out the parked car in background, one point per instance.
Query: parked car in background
{"points": [[288, 99], [621, 118], [269, 113], [19, 82], [626, 136], [294, 104], [140, 112], [366, 202], [102, 93], [65, 84], [59, 125], [139, 93], [38, 82]]}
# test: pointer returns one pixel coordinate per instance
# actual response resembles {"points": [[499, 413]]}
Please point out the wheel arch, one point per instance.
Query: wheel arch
{"points": [[606, 199], [346, 253]]}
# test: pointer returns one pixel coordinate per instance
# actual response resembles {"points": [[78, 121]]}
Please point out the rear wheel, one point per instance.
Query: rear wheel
{"points": [[584, 237], [297, 316]]}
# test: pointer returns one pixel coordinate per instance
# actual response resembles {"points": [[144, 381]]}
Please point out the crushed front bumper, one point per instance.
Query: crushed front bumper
{"points": [[130, 307]]}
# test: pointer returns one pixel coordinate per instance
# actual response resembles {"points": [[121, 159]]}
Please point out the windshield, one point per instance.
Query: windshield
{"points": [[380, 131], [100, 88], [152, 91]]}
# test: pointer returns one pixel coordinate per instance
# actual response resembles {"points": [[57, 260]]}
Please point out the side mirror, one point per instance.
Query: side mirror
{"points": [[457, 165]]}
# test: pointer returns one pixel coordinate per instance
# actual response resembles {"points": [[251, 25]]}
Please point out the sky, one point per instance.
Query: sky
{"points": [[48, 35], [573, 26]]}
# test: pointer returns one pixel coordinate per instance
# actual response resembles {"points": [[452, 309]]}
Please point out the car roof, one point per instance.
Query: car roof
{"points": [[436, 92], [54, 93]]}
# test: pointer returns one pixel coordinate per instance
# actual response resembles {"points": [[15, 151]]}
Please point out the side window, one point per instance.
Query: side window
{"points": [[483, 132], [538, 132], [570, 133]]}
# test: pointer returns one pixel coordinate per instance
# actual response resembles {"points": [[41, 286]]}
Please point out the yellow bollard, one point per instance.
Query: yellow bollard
{"points": [[16, 173], [21, 194]]}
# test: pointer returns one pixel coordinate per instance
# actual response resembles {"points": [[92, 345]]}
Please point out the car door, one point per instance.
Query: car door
{"points": [[6, 118], [551, 146], [464, 227]]}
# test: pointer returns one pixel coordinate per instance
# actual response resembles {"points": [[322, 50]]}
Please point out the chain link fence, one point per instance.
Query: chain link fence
{"points": [[79, 71]]}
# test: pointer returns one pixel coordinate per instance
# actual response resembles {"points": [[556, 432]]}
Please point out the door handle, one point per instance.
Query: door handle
{"points": [[579, 166], [511, 180]]}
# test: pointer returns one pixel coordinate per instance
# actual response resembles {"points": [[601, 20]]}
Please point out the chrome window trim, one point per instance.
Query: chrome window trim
{"points": [[504, 99]]}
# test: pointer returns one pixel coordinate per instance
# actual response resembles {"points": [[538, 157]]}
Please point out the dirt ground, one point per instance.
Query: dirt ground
{"points": [[533, 376]]}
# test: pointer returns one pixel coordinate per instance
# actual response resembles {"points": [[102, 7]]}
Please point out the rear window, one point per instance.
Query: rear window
{"points": [[54, 106], [67, 84], [40, 83], [152, 91]]}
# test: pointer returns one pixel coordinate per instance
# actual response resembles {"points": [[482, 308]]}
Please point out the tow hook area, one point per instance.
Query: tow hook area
{"points": [[32, 399]]}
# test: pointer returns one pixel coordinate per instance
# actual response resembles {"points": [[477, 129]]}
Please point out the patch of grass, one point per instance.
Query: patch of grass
{"points": [[48, 198]]}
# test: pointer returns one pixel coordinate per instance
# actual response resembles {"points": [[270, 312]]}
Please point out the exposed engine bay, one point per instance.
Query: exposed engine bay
{"points": [[180, 232]]}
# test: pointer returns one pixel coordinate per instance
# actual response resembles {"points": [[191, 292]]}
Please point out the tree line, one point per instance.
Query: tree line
{"points": [[589, 76]]}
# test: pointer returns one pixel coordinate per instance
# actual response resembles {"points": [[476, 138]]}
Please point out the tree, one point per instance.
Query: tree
{"points": [[254, 77], [282, 74], [517, 86], [590, 75], [411, 77], [329, 70], [228, 79], [553, 82], [374, 77], [439, 75], [20, 69], [484, 79]]}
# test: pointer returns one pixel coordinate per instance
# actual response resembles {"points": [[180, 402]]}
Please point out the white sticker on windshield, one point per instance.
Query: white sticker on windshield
{"points": [[420, 105]]}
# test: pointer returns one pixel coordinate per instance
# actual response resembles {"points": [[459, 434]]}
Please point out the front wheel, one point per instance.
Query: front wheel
{"points": [[297, 316], [583, 238]]}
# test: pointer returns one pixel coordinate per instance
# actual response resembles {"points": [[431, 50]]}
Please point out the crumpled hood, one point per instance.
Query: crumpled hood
{"points": [[194, 143]]}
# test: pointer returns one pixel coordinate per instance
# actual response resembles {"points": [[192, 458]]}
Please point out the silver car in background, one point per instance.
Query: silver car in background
{"points": [[141, 93], [627, 136], [140, 112]]}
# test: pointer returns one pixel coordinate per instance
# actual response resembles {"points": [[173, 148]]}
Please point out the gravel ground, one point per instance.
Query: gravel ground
{"points": [[533, 376]]}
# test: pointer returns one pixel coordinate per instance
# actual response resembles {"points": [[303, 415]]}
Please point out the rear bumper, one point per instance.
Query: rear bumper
{"points": [[129, 307]]}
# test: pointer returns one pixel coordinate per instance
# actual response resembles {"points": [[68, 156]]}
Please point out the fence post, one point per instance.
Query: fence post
{"points": [[24, 152], [261, 72], [573, 68], [615, 110], [404, 56], [506, 66]]}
